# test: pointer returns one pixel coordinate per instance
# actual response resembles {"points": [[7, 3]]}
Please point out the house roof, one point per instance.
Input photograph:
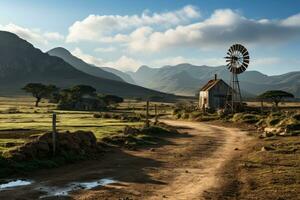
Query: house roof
{"points": [[211, 83]]}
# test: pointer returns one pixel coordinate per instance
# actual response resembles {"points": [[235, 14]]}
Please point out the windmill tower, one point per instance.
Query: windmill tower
{"points": [[237, 62]]}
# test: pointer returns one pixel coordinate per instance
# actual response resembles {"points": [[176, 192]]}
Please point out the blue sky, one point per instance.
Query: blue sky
{"points": [[128, 33]]}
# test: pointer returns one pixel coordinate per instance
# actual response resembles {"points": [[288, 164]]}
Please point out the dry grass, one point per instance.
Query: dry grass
{"points": [[19, 119], [271, 169]]}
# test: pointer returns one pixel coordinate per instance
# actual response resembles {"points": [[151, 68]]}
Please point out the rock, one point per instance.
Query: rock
{"points": [[236, 149], [267, 134], [266, 148], [272, 130], [41, 146]]}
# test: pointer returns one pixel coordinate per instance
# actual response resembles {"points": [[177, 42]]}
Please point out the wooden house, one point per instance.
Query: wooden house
{"points": [[213, 94]]}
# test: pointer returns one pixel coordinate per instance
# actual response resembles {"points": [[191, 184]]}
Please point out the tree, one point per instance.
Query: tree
{"points": [[37, 90], [53, 93], [276, 96], [112, 99], [79, 91]]}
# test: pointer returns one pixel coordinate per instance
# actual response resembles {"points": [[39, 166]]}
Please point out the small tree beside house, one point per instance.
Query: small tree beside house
{"points": [[276, 96]]}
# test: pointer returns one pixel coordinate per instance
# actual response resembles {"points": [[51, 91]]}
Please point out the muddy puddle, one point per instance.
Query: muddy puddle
{"points": [[14, 183], [65, 191]]}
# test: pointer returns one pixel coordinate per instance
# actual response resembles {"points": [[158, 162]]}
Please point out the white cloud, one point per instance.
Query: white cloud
{"points": [[35, 36], [53, 36], [87, 58], [123, 63], [221, 29], [292, 20], [95, 27], [107, 49], [31, 35]]}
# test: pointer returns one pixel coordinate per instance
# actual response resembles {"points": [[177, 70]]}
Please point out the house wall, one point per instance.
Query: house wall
{"points": [[202, 96], [217, 95]]}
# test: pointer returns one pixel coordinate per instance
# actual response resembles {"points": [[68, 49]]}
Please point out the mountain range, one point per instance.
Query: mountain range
{"points": [[102, 72], [22, 63], [187, 79]]}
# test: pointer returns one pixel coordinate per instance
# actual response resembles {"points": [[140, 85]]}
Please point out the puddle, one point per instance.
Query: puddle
{"points": [[64, 191], [15, 183]]}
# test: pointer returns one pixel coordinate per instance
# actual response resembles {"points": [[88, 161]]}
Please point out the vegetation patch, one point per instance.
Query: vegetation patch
{"points": [[133, 138], [246, 118], [270, 170], [38, 152]]}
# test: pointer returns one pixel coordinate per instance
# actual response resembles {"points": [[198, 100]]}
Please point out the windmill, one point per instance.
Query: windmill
{"points": [[237, 62]]}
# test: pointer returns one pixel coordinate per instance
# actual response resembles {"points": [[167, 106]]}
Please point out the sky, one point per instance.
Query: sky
{"points": [[125, 34]]}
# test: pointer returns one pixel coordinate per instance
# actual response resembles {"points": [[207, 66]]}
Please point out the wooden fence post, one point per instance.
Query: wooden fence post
{"points": [[147, 114], [54, 132], [156, 115]]}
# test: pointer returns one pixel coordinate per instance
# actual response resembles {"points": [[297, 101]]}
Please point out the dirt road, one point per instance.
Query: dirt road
{"points": [[185, 167]]}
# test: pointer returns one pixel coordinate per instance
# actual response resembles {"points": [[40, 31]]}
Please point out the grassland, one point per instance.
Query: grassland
{"points": [[19, 119]]}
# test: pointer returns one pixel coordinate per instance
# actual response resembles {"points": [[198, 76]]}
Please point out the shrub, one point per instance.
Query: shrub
{"points": [[195, 114], [97, 115], [274, 121], [106, 115], [297, 117], [178, 116]]}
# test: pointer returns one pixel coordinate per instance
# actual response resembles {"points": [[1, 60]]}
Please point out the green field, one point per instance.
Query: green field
{"points": [[19, 120]]}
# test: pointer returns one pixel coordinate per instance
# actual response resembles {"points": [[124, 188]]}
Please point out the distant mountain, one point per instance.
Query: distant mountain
{"points": [[21, 63], [186, 79], [123, 75], [81, 65]]}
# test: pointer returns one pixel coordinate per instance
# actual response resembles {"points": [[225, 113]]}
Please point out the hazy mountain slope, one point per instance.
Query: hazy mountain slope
{"points": [[21, 63], [81, 65], [193, 77], [123, 75]]}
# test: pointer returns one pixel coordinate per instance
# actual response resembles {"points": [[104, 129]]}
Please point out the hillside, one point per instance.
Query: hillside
{"points": [[21, 63], [81, 65], [186, 79], [123, 75]]}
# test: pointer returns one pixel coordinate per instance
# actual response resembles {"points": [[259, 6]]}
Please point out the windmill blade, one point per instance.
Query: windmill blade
{"points": [[245, 52], [235, 47], [231, 49], [239, 71], [245, 66], [240, 47], [246, 61], [246, 57]]}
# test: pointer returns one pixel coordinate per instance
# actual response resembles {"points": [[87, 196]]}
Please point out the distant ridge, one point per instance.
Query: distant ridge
{"points": [[81, 65], [186, 79]]}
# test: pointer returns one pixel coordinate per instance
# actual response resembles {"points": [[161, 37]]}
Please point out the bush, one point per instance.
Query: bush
{"points": [[106, 115], [185, 115], [195, 114], [97, 115], [274, 121], [178, 116], [245, 118], [296, 117]]}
